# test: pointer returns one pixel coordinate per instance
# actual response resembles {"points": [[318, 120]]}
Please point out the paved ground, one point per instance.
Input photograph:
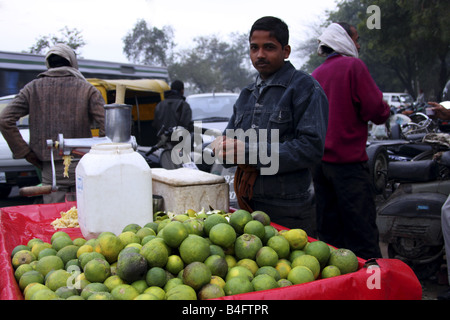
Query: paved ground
{"points": [[431, 289]]}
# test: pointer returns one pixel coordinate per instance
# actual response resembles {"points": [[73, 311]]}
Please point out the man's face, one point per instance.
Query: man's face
{"points": [[266, 53], [355, 38]]}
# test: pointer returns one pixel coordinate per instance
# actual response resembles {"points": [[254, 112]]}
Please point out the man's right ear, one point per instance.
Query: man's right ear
{"points": [[287, 51]]}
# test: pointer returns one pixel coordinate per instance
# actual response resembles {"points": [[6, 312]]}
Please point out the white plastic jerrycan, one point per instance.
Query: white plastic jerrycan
{"points": [[114, 189]]}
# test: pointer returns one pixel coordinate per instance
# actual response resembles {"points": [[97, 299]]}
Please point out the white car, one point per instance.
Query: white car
{"points": [[398, 100], [212, 111], [15, 172]]}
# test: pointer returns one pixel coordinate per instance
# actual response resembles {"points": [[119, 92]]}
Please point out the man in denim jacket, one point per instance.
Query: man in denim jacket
{"points": [[284, 117]]}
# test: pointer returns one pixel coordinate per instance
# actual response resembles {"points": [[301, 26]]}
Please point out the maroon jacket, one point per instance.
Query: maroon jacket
{"points": [[354, 99]]}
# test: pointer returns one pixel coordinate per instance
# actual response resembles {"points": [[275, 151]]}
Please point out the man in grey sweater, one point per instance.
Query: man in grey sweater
{"points": [[59, 100]]}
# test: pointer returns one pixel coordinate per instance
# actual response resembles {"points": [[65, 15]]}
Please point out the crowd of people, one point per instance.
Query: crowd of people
{"points": [[321, 121]]}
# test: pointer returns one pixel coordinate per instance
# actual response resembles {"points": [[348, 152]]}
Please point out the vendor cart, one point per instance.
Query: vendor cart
{"points": [[380, 279]]}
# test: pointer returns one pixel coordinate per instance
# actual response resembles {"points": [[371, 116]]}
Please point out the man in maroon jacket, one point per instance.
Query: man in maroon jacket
{"points": [[346, 212]]}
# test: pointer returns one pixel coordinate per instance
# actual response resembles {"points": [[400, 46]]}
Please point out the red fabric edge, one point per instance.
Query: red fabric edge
{"points": [[389, 279]]}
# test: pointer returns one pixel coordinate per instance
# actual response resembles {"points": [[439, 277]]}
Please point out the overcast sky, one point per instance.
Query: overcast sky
{"points": [[104, 23]]}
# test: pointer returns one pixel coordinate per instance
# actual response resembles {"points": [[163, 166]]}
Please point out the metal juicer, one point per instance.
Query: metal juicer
{"points": [[117, 130]]}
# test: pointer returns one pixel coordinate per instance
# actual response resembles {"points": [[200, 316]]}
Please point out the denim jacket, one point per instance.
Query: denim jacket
{"points": [[295, 104]]}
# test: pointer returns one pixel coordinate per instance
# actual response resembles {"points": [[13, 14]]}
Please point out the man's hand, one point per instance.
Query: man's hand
{"points": [[439, 111], [34, 160], [228, 149]]}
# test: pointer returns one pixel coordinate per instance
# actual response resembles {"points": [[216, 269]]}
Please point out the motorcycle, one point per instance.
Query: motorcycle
{"points": [[415, 184], [410, 220], [168, 153]]}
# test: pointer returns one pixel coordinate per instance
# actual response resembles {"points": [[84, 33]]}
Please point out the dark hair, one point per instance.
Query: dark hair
{"points": [[177, 85], [55, 61], [277, 28], [347, 27]]}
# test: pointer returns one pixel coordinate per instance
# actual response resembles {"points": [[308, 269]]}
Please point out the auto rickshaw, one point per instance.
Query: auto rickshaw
{"points": [[143, 95]]}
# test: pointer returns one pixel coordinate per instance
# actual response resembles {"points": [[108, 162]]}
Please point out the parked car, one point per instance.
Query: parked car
{"points": [[212, 111], [15, 172], [398, 100]]}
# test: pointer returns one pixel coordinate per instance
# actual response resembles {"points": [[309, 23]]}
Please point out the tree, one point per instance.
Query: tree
{"points": [[214, 65], [71, 37], [410, 51], [412, 42], [149, 45], [308, 48], [434, 63]]}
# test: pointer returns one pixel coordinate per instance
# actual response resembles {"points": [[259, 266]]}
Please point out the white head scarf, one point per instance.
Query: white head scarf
{"points": [[63, 50], [336, 38]]}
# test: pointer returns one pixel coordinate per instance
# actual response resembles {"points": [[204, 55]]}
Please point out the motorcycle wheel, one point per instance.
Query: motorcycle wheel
{"points": [[378, 167], [423, 271]]}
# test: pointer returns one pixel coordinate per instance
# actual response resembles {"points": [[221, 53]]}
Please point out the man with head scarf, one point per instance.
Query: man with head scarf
{"points": [[346, 211], [60, 100]]}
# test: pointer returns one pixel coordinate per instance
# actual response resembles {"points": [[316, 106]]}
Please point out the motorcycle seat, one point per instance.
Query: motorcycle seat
{"points": [[413, 171], [445, 158], [413, 149], [415, 136]]}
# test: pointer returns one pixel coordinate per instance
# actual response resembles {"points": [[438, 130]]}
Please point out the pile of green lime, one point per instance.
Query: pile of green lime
{"points": [[189, 256]]}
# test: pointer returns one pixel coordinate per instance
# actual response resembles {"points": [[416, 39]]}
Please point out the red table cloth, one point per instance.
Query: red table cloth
{"points": [[380, 279]]}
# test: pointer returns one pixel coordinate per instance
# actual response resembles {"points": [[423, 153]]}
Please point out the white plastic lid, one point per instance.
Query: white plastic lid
{"points": [[111, 148], [185, 177]]}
